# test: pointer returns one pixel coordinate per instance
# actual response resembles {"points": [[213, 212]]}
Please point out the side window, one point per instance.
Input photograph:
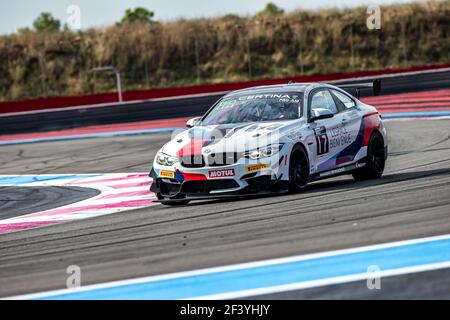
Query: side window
{"points": [[323, 100], [346, 101]]}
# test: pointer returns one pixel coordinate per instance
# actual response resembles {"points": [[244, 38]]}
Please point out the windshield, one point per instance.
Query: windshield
{"points": [[255, 107]]}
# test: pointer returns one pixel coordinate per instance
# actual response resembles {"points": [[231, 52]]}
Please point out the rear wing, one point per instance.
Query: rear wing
{"points": [[355, 89]]}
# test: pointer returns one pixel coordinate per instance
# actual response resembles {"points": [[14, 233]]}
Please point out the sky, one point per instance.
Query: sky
{"points": [[15, 14]]}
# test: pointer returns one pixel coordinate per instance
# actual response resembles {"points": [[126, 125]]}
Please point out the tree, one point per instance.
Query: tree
{"points": [[272, 9], [24, 30], [137, 15], [46, 23]]}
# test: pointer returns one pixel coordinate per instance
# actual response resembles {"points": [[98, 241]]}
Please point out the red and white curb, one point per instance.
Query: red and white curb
{"points": [[118, 192]]}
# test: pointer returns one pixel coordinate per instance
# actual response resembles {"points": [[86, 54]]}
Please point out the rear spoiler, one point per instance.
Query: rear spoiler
{"points": [[355, 88]]}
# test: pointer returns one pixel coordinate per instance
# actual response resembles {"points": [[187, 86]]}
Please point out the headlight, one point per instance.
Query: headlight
{"points": [[165, 160], [264, 152]]}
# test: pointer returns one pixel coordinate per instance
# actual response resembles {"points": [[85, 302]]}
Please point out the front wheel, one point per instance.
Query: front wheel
{"points": [[376, 159], [298, 169]]}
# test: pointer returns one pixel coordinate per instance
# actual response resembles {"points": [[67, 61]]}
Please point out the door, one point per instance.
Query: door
{"points": [[352, 134], [327, 132]]}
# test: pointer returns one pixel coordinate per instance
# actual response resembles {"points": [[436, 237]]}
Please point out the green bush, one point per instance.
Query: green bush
{"points": [[137, 15], [46, 23]]}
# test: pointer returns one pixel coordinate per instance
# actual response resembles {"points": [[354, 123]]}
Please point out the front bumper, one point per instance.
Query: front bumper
{"points": [[196, 184], [242, 177], [169, 189]]}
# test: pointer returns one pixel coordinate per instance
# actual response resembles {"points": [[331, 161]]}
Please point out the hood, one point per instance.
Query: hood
{"points": [[227, 137]]}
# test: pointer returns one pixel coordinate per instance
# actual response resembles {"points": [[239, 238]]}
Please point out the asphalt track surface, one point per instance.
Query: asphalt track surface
{"points": [[17, 201], [412, 200], [423, 285]]}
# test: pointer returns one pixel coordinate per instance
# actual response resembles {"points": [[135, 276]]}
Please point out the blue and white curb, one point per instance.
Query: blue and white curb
{"points": [[117, 192], [275, 275]]}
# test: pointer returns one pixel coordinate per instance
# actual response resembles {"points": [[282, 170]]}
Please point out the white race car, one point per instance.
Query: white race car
{"points": [[272, 139]]}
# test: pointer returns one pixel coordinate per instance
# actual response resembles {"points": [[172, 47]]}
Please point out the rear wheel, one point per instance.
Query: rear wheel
{"points": [[298, 169], [376, 159]]}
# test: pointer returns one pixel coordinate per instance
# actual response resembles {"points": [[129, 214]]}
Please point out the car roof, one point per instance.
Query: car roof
{"points": [[301, 87]]}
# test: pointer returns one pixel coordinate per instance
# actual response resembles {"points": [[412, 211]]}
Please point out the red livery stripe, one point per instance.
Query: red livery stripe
{"points": [[193, 176], [192, 148], [372, 121]]}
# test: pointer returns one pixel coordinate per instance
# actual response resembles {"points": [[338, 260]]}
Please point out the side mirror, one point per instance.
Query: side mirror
{"points": [[193, 122], [319, 114]]}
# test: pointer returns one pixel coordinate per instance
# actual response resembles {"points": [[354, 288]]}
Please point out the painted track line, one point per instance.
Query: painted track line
{"points": [[417, 115], [275, 275]]}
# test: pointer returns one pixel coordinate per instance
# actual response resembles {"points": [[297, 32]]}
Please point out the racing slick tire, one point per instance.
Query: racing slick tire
{"points": [[298, 169], [376, 159], [180, 202]]}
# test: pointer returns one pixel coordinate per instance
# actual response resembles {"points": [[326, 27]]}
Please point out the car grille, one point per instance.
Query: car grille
{"points": [[213, 160], [205, 186], [193, 161], [221, 159]]}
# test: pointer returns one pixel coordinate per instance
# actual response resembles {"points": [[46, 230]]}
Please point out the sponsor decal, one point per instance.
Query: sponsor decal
{"points": [[221, 173], [323, 144], [295, 135], [167, 174], [256, 167], [331, 139], [339, 137], [282, 97], [331, 172], [342, 169]]}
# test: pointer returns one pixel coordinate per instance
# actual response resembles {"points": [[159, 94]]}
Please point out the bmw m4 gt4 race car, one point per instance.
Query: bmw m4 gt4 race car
{"points": [[272, 139]]}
